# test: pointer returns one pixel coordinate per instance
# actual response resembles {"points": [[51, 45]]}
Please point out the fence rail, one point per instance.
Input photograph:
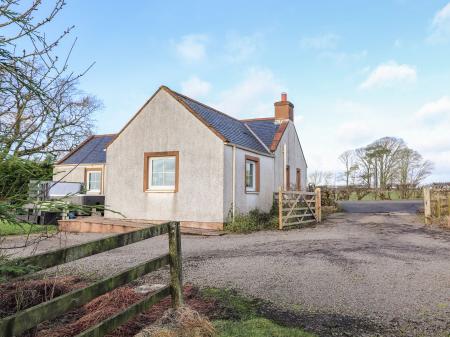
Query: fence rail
{"points": [[23, 320], [436, 205], [298, 208]]}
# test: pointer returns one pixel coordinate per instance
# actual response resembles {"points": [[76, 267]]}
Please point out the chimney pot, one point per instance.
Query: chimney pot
{"points": [[284, 110]]}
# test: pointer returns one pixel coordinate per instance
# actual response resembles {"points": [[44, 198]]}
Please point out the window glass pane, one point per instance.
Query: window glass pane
{"points": [[158, 164], [158, 179], [94, 182], [249, 174], [169, 164], [169, 179], [163, 172]]}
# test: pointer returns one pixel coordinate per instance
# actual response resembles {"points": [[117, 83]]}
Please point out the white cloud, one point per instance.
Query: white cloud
{"points": [[239, 48], [192, 48], [342, 57], [195, 87], [321, 42], [440, 26], [355, 133], [388, 74], [253, 96], [436, 109]]}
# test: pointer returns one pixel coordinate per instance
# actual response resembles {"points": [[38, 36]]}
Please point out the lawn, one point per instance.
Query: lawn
{"points": [[241, 317], [8, 228]]}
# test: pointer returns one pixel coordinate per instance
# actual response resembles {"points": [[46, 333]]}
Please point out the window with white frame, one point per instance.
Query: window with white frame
{"points": [[161, 171], [250, 176], [94, 181]]}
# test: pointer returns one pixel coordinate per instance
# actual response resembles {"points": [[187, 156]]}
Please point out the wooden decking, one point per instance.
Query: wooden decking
{"points": [[97, 224]]}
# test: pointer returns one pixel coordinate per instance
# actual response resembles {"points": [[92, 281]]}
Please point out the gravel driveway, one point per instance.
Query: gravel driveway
{"points": [[352, 275], [382, 206]]}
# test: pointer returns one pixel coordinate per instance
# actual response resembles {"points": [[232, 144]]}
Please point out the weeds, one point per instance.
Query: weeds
{"points": [[255, 220]]}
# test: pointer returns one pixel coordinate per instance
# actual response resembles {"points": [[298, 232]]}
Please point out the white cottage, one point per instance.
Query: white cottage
{"points": [[179, 159]]}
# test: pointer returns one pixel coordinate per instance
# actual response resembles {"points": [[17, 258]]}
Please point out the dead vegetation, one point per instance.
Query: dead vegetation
{"points": [[22, 294], [183, 322]]}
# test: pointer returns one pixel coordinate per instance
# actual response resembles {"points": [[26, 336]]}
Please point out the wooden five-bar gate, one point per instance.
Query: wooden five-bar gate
{"points": [[436, 205], [20, 322], [296, 208]]}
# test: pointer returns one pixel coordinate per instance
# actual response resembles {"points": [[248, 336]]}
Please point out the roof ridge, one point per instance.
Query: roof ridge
{"points": [[257, 119]]}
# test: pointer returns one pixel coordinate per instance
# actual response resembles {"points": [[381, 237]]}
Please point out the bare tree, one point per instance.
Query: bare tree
{"points": [[41, 109], [21, 39], [385, 155], [32, 124], [384, 163], [365, 166], [348, 160], [320, 178], [413, 169]]}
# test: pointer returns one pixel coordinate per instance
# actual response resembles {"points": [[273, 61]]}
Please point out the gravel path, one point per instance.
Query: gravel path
{"points": [[352, 275]]}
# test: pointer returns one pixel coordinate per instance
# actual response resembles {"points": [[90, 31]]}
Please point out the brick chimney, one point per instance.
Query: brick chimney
{"points": [[284, 109]]}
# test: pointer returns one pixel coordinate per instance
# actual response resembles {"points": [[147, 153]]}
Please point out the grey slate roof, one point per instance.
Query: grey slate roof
{"points": [[91, 151], [235, 131], [264, 129]]}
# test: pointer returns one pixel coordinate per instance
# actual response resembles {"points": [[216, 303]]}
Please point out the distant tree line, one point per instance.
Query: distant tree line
{"points": [[385, 163]]}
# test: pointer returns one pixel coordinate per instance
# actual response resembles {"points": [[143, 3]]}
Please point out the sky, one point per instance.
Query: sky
{"points": [[355, 70]]}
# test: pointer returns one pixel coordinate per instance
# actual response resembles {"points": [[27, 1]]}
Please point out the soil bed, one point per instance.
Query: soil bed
{"points": [[27, 293]]}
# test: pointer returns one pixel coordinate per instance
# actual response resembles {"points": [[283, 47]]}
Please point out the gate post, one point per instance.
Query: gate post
{"points": [[318, 205], [176, 272], [280, 208], [427, 205]]}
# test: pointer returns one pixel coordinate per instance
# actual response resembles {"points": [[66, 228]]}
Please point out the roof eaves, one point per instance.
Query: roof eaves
{"points": [[267, 154]]}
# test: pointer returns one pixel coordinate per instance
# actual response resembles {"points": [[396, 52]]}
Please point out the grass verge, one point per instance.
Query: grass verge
{"points": [[7, 228], [256, 327], [238, 315]]}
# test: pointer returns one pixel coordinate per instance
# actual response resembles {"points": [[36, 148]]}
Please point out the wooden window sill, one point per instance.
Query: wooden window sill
{"points": [[160, 191]]}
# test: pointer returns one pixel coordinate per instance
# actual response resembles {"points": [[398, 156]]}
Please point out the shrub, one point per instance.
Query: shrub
{"points": [[15, 176], [254, 220]]}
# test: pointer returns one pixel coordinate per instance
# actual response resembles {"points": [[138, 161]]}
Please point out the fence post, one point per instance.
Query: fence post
{"points": [[448, 206], [427, 205], [176, 272], [280, 208], [318, 204]]}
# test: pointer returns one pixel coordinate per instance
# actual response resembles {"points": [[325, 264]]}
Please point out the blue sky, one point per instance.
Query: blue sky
{"points": [[355, 70]]}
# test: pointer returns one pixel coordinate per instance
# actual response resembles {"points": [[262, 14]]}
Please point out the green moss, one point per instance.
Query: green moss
{"points": [[257, 327], [233, 305], [8, 228], [239, 316]]}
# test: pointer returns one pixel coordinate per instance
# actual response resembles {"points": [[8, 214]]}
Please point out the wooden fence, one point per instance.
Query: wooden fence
{"points": [[296, 208], [436, 205], [26, 319]]}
